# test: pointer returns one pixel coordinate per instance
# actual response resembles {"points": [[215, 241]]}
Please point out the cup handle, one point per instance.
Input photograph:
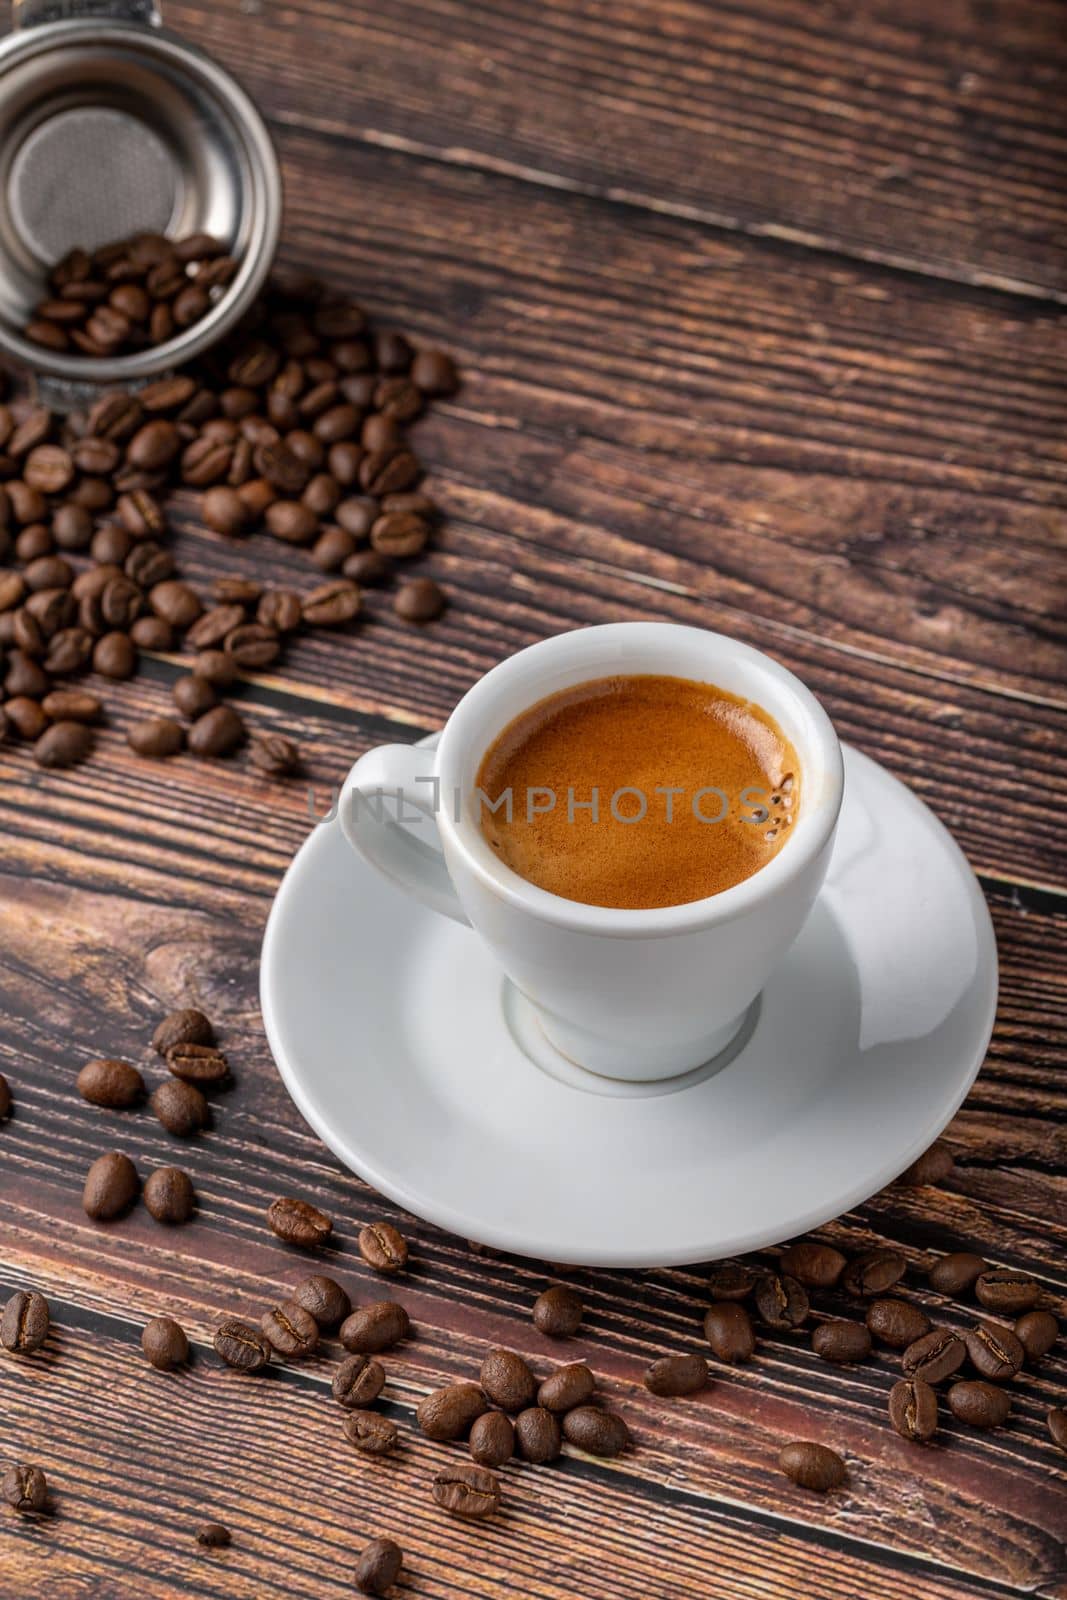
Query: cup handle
{"points": [[385, 787]]}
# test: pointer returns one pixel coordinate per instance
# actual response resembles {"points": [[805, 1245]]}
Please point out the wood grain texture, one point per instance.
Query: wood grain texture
{"points": [[927, 137], [660, 247]]}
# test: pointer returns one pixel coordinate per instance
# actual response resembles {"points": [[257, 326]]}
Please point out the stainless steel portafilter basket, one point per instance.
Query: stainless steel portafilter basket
{"points": [[110, 125]]}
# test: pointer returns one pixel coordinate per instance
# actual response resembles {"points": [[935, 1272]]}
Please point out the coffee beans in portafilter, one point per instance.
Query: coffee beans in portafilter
{"points": [[558, 1312], [25, 1322], [298, 1222], [297, 425], [379, 1566], [164, 1343]]}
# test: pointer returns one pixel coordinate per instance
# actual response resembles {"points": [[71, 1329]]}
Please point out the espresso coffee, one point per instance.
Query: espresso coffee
{"points": [[635, 792]]}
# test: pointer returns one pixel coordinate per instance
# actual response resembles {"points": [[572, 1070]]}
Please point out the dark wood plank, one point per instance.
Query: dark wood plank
{"points": [[928, 137]]}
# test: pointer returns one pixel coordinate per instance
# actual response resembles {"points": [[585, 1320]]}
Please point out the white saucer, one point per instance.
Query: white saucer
{"points": [[416, 1062]]}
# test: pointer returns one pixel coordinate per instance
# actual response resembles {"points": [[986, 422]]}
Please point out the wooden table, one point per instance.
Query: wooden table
{"points": [[759, 308]]}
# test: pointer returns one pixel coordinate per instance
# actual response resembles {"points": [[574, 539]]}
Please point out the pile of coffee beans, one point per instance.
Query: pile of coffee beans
{"points": [[130, 294], [297, 426]]}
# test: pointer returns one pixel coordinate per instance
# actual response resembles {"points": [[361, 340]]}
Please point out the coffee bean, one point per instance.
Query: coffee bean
{"points": [[187, 1026], [291, 521], [367, 567], [48, 468], [812, 1466], [206, 461], [1057, 1427], [598, 1433], [358, 1381], [217, 733], [64, 744], [193, 696], [558, 1312], [111, 1187], [274, 754], [294, 1333], [324, 1299], [49, 572], [372, 1433], [537, 1434], [69, 651], [115, 656], [12, 590], [24, 677], [913, 1409], [567, 1387], [467, 1491], [874, 1272], [242, 1346], [321, 496], [1002, 1289], [332, 604], [356, 516], [731, 1280], [31, 431], [154, 445], [841, 1341], [932, 1166], [507, 1380], [374, 1328], [995, 1353], [180, 1107], [115, 416], [169, 1195], [897, 1323], [25, 1322], [71, 705], [6, 1099], [198, 1063], [816, 1266], [253, 646], [280, 610], [728, 1330], [982, 1405], [935, 1356], [447, 1413], [383, 1247], [166, 394], [385, 470], [398, 398], [419, 600], [140, 515], [213, 626], [110, 1083], [27, 503], [164, 1343], [214, 1536], [216, 668], [677, 1375], [25, 718], [1037, 1332], [332, 549], [339, 422], [223, 510], [72, 527], [26, 1489], [434, 372], [492, 1439], [399, 534], [378, 1567], [781, 1301], [156, 737], [282, 467], [299, 1223], [175, 602]]}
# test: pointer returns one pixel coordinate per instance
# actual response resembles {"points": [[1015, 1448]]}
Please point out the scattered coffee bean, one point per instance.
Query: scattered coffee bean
{"points": [[374, 1328], [467, 1491], [728, 1329], [492, 1439], [113, 1084], [980, 1404], [6, 1099], [378, 1567], [169, 1195], [874, 1272], [26, 1489], [1057, 1427], [994, 1353], [567, 1387], [598, 1433], [419, 600], [367, 568], [293, 1332], [299, 1223], [956, 1273], [111, 1187], [676, 1375], [71, 705], [816, 1266], [731, 1280], [935, 1356], [781, 1301], [180, 1107], [187, 1026], [812, 1466], [1002, 1289], [558, 1312], [214, 1536], [25, 1322], [507, 1380], [115, 656], [433, 372], [358, 1381], [383, 1247], [372, 1433], [242, 1346], [538, 1435], [913, 1409], [217, 733], [193, 696], [274, 754], [64, 744], [324, 1299], [332, 604], [1037, 1332], [841, 1341], [448, 1413], [897, 1323], [156, 737], [198, 1063], [216, 668], [164, 1343]]}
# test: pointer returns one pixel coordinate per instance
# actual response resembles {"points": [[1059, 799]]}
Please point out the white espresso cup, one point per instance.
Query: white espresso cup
{"points": [[634, 994]]}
